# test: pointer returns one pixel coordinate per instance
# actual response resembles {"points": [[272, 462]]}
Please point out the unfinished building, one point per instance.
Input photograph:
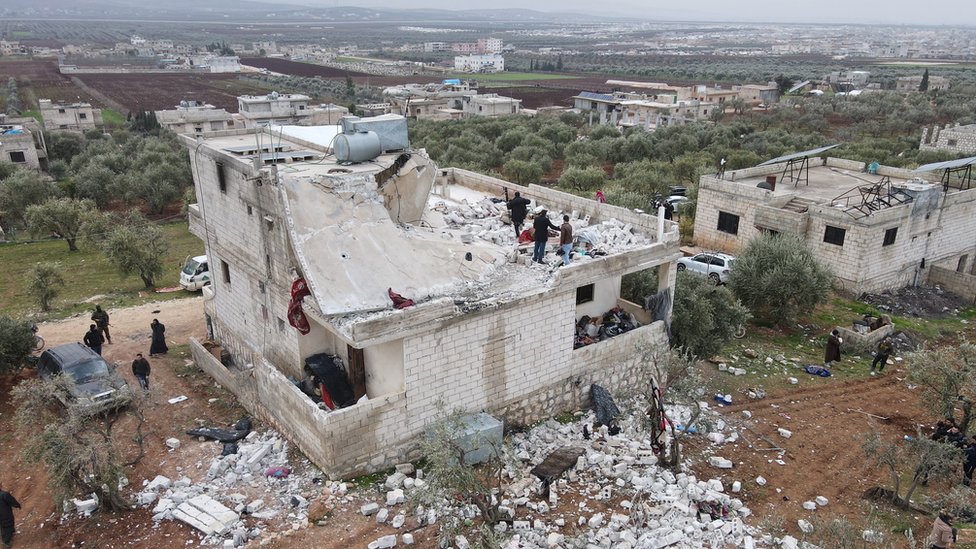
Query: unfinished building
{"points": [[195, 117], [958, 139], [877, 227], [69, 116], [485, 330]]}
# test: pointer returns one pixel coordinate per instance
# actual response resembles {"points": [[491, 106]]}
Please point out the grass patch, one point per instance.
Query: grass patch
{"points": [[88, 273], [113, 118], [566, 418], [371, 480], [36, 115]]}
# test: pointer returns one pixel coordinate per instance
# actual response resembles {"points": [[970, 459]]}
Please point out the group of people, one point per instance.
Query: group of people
{"points": [[882, 351], [541, 226], [98, 334], [948, 432]]}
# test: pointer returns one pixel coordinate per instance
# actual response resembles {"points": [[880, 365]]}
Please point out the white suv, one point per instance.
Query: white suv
{"points": [[715, 266]]}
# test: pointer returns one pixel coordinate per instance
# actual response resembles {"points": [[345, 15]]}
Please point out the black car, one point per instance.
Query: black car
{"points": [[96, 386]]}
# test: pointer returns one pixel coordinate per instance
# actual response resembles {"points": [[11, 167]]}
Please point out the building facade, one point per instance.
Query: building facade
{"points": [[274, 108], [196, 118], [271, 212], [17, 146], [479, 63], [876, 230], [69, 116], [491, 105], [952, 139]]}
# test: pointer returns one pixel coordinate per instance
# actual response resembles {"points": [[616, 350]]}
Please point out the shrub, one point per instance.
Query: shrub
{"points": [[16, 343], [44, 283], [778, 278]]}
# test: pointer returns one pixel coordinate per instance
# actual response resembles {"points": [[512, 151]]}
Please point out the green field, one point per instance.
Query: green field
{"points": [[113, 118], [87, 273], [513, 76]]}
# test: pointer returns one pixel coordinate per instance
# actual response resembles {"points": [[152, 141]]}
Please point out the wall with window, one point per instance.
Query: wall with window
{"points": [[595, 299]]}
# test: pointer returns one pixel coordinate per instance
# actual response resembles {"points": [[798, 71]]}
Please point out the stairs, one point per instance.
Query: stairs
{"points": [[799, 205]]}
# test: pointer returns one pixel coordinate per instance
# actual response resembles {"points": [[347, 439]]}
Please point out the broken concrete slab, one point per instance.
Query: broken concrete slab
{"points": [[206, 514]]}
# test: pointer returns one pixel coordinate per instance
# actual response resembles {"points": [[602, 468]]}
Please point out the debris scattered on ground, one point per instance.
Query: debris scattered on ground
{"points": [[917, 301]]}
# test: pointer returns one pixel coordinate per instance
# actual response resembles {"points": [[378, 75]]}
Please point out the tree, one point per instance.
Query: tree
{"points": [[64, 145], [136, 246], [450, 476], [947, 379], [927, 459], [44, 283], [64, 216], [784, 83], [81, 452], [705, 316], [94, 182], [16, 343], [523, 172], [924, 84], [778, 278], [22, 189], [583, 179]]}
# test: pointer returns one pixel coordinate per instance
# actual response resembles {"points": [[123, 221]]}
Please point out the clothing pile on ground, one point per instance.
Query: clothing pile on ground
{"points": [[612, 323]]}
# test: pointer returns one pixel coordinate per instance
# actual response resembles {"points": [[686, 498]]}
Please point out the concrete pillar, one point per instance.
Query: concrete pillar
{"points": [[666, 275]]}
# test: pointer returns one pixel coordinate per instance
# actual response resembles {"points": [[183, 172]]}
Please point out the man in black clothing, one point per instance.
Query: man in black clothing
{"points": [[541, 226], [141, 369], [100, 318], [94, 339], [7, 505], [518, 205], [970, 465]]}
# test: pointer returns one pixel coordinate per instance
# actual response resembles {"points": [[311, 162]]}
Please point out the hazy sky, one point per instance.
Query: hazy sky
{"points": [[931, 12]]}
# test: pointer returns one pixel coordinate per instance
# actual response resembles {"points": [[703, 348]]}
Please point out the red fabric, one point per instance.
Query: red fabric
{"points": [[399, 302], [296, 317], [326, 397], [525, 237], [600, 198]]}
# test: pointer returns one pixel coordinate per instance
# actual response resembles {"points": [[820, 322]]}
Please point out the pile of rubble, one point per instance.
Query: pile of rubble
{"points": [[255, 483], [917, 301]]}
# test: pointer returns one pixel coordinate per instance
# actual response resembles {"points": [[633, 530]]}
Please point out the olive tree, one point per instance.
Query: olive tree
{"points": [[44, 283], [21, 189], [64, 216], [16, 343], [947, 379], [924, 459], [583, 179], [136, 246], [705, 316], [778, 278]]}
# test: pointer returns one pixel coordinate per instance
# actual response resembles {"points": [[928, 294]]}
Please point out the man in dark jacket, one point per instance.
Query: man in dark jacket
{"points": [[94, 339], [566, 238], [7, 505], [141, 369], [970, 465], [519, 206], [100, 318], [884, 351], [832, 352], [541, 224]]}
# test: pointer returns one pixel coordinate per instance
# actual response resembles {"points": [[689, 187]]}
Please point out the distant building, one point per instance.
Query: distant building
{"points": [[758, 94], [17, 146], [954, 139], [645, 110], [855, 79], [911, 83], [65, 116], [490, 105], [878, 227], [434, 47], [274, 108], [196, 118], [325, 114], [489, 45], [268, 46], [479, 63]]}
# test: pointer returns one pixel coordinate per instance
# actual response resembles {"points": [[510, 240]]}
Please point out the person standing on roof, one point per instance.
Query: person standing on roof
{"points": [[100, 318], [566, 238], [541, 224], [94, 339], [518, 205]]}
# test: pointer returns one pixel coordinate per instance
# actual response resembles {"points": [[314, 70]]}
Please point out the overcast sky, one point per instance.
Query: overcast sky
{"points": [[931, 12]]}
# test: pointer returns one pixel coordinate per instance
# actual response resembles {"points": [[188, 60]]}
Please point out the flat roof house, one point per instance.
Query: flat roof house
{"points": [[877, 227], [357, 214], [195, 117], [69, 116]]}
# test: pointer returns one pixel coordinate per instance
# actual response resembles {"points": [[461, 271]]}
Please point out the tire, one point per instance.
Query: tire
{"points": [[715, 278], [38, 343], [681, 267], [740, 331]]}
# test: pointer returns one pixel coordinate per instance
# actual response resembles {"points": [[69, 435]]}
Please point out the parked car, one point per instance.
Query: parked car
{"points": [[678, 190], [677, 200], [715, 266], [195, 274], [97, 387]]}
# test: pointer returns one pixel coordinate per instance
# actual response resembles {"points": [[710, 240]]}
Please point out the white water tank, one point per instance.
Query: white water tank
{"points": [[357, 147]]}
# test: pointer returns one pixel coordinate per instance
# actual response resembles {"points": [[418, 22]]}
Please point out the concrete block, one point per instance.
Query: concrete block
{"points": [[85, 506], [394, 497], [173, 443], [407, 539], [159, 482], [405, 468], [805, 526], [821, 501], [720, 462], [382, 515], [784, 433], [736, 487], [255, 506], [809, 506], [395, 480], [385, 542], [370, 509], [398, 520]]}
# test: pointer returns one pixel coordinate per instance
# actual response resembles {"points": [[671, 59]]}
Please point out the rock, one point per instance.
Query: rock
{"points": [[793, 380], [760, 481], [207, 515], [736, 487], [398, 520], [461, 542], [255, 506], [716, 438], [750, 353], [871, 536], [85, 506], [784, 433], [595, 521], [746, 414], [394, 497], [382, 515], [821, 501], [720, 462], [386, 542], [407, 539], [555, 539], [370, 509], [788, 542], [805, 526], [406, 468], [809, 506], [160, 482], [395, 480], [173, 443]]}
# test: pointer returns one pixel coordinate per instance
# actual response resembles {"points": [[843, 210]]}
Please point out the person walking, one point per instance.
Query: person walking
{"points": [[832, 352], [141, 369], [100, 318], [882, 354], [94, 339], [943, 534], [519, 207], [158, 345], [541, 224], [7, 505], [566, 238]]}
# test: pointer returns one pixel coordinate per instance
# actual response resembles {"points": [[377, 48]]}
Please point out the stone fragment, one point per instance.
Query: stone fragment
{"points": [[382, 515], [736, 487], [395, 480], [394, 497], [160, 482], [805, 526], [85, 506], [784, 433], [760, 481], [385, 542], [407, 539], [405, 468], [370, 509], [398, 520], [821, 501], [173, 443], [720, 462], [809, 506]]}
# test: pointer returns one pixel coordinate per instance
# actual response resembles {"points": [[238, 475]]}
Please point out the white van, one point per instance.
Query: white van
{"points": [[195, 274]]}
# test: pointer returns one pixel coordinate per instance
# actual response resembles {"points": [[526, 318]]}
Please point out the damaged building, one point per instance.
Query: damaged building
{"points": [[416, 291], [878, 227]]}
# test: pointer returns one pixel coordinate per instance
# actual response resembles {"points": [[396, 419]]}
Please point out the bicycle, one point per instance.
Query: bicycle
{"points": [[38, 340]]}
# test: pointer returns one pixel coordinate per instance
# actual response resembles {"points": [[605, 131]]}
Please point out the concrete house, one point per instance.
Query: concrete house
{"points": [[17, 146], [953, 139], [489, 331], [273, 108], [69, 116], [479, 63], [639, 109], [877, 227], [194, 117], [491, 105]]}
